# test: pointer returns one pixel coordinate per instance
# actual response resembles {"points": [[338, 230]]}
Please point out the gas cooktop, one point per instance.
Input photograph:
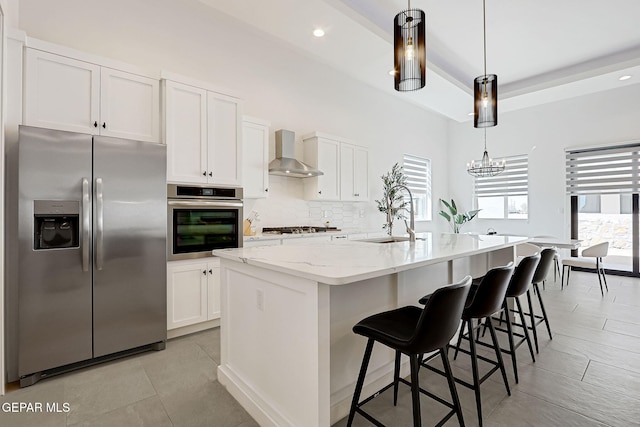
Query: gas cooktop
{"points": [[300, 229]]}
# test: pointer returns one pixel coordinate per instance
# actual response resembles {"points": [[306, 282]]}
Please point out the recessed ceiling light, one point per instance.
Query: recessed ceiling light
{"points": [[392, 72], [318, 32], [471, 114], [622, 78]]}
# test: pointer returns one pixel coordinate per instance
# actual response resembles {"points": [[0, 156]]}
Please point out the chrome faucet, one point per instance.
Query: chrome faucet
{"points": [[412, 226]]}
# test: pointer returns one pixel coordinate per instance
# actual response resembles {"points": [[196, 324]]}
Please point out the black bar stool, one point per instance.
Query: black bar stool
{"points": [[414, 331], [546, 262], [487, 300], [518, 286]]}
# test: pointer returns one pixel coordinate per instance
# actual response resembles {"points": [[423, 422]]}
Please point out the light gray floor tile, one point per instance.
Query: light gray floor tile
{"points": [[524, 410], [46, 391], [624, 382], [146, 413], [205, 404], [101, 389], [625, 328], [171, 378]]}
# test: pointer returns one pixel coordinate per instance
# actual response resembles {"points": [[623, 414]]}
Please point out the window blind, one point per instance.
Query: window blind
{"points": [[417, 170], [604, 170], [514, 181]]}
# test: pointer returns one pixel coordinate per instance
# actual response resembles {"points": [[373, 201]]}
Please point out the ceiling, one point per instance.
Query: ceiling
{"points": [[542, 51]]}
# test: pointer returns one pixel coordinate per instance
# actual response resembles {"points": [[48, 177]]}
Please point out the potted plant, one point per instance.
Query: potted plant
{"points": [[393, 203], [456, 219]]}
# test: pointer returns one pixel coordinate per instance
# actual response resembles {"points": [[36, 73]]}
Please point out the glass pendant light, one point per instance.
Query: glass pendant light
{"points": [[410, 58], [485, 90]]}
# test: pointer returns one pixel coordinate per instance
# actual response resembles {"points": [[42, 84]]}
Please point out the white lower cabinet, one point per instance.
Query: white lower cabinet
{"points": [[193, 292]]}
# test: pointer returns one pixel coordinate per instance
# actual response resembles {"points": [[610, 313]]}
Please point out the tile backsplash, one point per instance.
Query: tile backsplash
{"points": [[285, 206]]}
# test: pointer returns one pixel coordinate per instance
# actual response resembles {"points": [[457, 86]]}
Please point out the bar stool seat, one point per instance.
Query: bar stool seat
{"points": [[414, 331]]}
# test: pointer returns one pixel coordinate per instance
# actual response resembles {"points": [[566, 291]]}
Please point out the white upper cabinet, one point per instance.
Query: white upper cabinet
{"points": [[203, 135], [185, 125], [61, 93], [73, 95], [129, 106], [354, 173], [225, 146], [345, 167], [324, 154], [255, 159]]}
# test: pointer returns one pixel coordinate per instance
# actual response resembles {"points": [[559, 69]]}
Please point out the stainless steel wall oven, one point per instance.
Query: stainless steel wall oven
{"points": [[202, 218]]}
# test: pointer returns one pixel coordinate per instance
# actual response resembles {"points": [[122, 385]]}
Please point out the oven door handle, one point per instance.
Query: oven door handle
{"points": [[192, 204]]}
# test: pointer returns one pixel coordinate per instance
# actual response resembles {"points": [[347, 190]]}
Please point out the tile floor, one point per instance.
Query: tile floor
{"points": [[588, 375]]}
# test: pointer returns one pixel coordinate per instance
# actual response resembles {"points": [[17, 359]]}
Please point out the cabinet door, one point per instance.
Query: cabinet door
{"points": [[255, 160], [213, 290], [347, 173], [129, 106], [361, 174], [186, 133], [329, 163], [224, 130], [61, 93], [186, 293]]}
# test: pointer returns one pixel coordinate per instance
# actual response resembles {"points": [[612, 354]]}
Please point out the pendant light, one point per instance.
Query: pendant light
{"points": [[410, 58], [485, 90], [486, 166]]}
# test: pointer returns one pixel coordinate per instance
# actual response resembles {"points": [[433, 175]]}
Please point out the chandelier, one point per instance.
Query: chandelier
{"points": [[485, 167]]}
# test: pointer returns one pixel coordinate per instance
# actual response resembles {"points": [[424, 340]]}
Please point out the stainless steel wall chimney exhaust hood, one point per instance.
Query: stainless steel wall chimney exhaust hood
{"points": [[285, 163]]}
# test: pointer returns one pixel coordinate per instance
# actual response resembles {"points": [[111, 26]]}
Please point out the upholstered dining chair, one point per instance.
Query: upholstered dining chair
{"points": [[590, 258]]}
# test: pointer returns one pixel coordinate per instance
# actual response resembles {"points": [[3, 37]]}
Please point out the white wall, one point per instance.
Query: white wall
{"points": [[277, 82], [543, 132]]}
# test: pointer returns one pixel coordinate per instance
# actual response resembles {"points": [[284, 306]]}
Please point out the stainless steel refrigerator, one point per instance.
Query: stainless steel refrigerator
{"points": [[92, 249]]}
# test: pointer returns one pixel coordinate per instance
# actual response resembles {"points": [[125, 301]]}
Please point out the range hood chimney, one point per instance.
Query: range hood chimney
{"points": [[285, 163]]}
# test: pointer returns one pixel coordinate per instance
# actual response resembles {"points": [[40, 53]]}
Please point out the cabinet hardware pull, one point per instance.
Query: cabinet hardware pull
{"points": [[210, 173], [266, 190], [104, 125], [204, 272], [95, 124], [210, 271], [320, 192], [204, 173]]}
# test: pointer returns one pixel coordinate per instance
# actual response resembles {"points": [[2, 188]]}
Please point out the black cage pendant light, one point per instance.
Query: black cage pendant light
{"points": [[410, 58], [485, 90]]}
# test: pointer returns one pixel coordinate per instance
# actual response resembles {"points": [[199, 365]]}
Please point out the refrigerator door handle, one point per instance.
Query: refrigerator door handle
{"points": [[99, 223], [86, 224]]}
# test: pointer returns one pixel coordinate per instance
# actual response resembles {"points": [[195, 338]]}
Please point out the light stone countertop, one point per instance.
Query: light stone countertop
{"points": [[339, 263], [269, 236]]}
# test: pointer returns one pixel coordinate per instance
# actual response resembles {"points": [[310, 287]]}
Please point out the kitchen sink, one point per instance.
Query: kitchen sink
{"points": [[389, 239]]}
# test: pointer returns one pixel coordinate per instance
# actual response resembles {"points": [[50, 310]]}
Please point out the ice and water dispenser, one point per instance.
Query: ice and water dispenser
{"points": [[56, 224]]}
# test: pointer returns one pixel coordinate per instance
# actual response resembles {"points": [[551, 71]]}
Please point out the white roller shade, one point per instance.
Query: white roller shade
{"points": [[604, 170], [514, 181]]}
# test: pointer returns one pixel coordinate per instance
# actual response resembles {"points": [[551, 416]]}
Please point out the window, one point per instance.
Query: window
{"points": [[505, 195], [418, 173]]}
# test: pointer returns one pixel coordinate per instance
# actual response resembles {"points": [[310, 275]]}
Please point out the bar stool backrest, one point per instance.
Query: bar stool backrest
{"points": [[490, 293], [523, 275], [440, 317], [546, 261]]}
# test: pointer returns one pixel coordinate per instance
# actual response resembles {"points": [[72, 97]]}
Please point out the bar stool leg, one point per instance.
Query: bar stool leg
{"points": [[544, 312], [533, 320], [452, 385], [476, 376], [524, 327], [415, 389], [361, 375], [396, 378], [498, 355], [512, 346], [460, 335]]}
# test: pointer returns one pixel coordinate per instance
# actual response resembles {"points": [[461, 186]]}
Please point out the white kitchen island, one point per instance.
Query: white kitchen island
{"points": [[289, 355]]}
